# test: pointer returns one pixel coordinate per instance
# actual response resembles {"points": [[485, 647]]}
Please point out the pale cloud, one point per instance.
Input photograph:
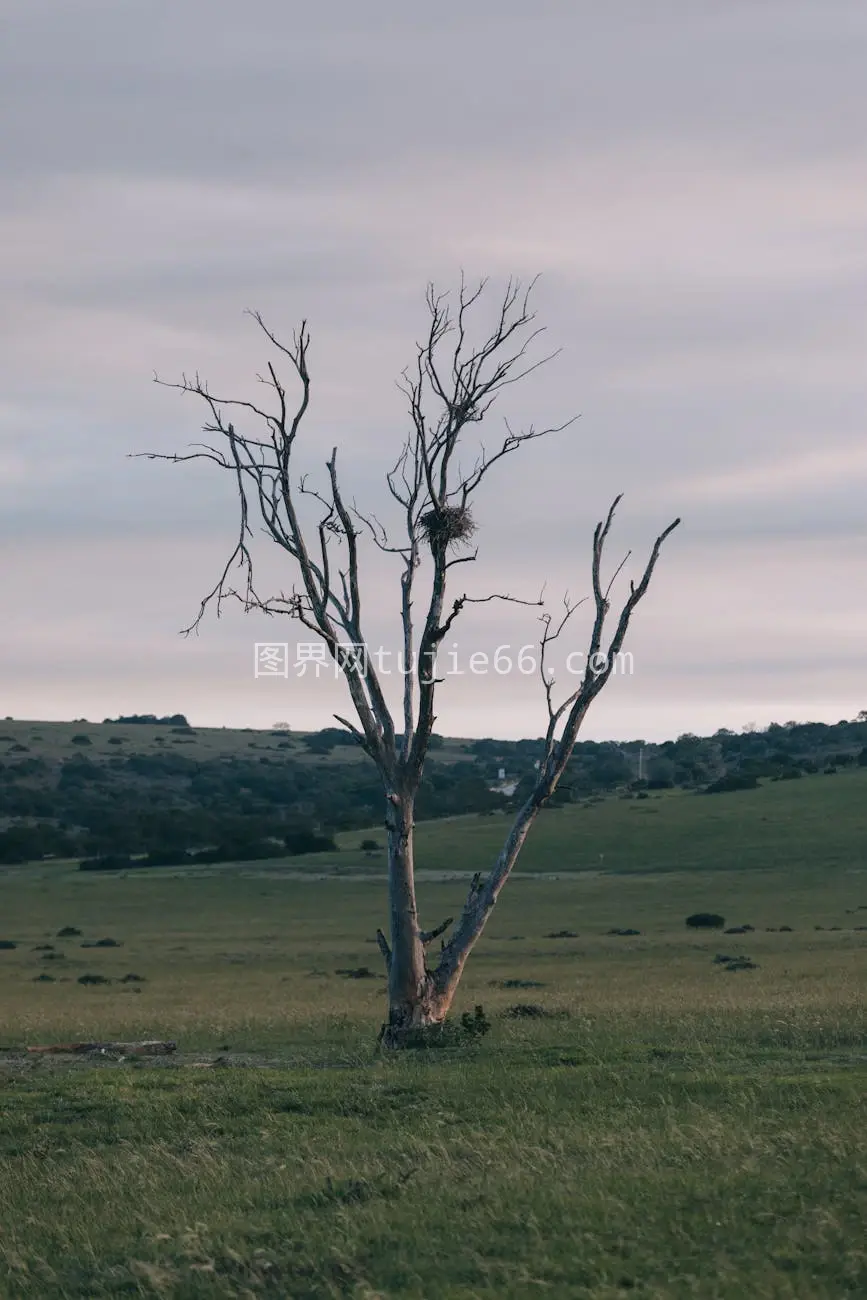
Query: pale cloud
{"points": [[809, 472], [691, 185]]}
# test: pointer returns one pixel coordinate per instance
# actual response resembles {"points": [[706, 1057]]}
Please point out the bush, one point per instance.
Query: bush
{"points": [[106, 862], [309, 842], [452, 1033], [370, 846], [81, 739], [705, 921], [517, 984], [149, 719], [732, 781], [167, 858], [531, 1011]]}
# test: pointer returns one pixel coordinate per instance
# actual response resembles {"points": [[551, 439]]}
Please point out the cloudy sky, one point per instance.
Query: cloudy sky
{"points": [[690, 181]]}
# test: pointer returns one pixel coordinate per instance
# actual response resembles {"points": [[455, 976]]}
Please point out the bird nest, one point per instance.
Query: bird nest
{"points": [[448, 526]]}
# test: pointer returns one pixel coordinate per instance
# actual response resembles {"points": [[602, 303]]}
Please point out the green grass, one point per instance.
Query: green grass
{"points": [[666, 1129], [53, 741], [813, 825], [816, 823], [506, 1176]]}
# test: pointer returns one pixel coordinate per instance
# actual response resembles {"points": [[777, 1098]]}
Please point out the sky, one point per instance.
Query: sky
{"points": [[688, 181]]}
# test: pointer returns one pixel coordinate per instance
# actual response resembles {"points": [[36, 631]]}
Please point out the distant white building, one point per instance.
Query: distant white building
{"points": [[504, 785]]}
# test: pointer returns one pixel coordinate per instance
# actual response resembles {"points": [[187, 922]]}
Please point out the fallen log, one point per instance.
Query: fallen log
{"points": [[152, 1047]]}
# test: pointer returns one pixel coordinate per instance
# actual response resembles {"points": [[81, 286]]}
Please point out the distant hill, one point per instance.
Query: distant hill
{"points": [[148, 785]]}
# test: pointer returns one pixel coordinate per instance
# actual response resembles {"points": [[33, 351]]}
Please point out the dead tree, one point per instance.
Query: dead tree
{"points": [[450, 388]]}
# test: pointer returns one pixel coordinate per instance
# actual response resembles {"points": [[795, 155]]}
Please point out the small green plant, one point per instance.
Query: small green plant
{"points": [[452, 1033]]}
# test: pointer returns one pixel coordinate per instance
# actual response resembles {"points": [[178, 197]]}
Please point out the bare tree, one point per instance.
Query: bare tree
{"points": [[451, 387]]}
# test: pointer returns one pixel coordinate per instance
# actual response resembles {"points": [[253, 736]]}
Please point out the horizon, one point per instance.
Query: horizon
{"points": [[457, 739]]}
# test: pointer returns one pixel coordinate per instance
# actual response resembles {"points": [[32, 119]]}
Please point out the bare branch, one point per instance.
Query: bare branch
{"points": [[428, 936], [546, 640], [482, 600], [483, 896], [384, 949]]}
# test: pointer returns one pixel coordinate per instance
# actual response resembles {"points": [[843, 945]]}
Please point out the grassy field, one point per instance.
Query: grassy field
{"points": [[640, 1121], [815, 824], [53, 741]]}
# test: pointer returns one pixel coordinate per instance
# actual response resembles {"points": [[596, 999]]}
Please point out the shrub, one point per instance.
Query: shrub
{"points": [[167, 858], [309, 842], [370, 846], [106, 862], [517, 984], [732, 781], [453, 1033], [532, 1011], [705, 921], [81, 739], [734, 963]]}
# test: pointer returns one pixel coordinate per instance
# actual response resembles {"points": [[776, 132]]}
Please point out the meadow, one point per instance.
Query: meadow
{"points": [[640, 1121]]}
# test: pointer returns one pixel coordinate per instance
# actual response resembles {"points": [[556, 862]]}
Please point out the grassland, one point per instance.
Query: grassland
{"points": [[654, 1125], [814, 825], [53, 741]]}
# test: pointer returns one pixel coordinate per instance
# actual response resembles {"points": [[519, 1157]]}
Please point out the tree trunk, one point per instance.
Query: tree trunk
{"points": [[417, 997], [482, 899], [414, 1001]]}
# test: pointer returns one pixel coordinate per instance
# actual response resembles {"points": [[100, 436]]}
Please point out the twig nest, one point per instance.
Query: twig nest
{"points": [[447, 526]]}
